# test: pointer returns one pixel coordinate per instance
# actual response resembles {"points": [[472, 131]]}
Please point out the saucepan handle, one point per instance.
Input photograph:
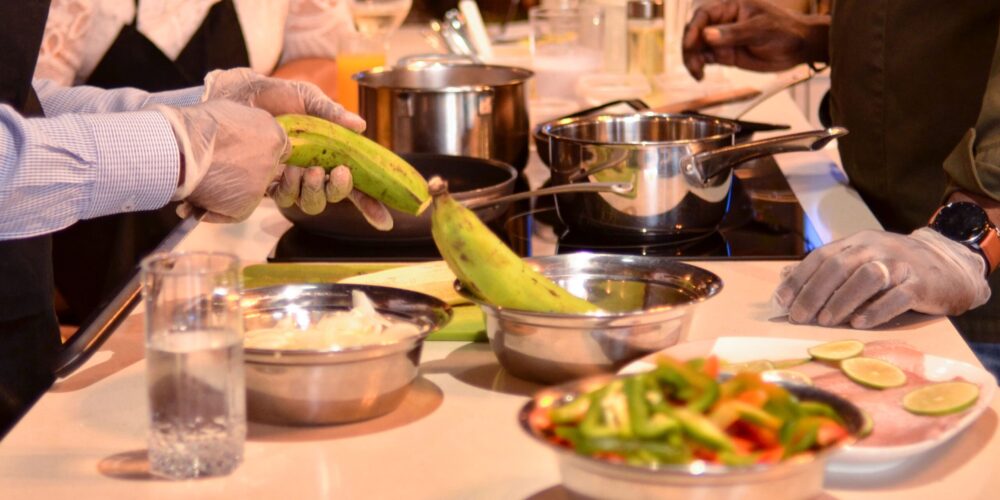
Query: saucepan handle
{"points": [[709, 164], [580, 187]]}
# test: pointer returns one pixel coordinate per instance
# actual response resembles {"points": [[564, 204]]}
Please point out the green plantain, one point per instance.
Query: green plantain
{"points": [[377, 172], [487, 267]]}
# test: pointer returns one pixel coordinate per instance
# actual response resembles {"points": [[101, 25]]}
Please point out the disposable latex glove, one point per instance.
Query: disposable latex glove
{"points": [[310, 188], [874, 276], [231, 154], [749, 34]]}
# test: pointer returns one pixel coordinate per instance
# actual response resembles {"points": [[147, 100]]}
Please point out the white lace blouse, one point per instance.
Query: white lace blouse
{"points": [[79, 32]]}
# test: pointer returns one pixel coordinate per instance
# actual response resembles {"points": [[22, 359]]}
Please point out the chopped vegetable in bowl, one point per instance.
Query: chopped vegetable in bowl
{"points": [[301, 329], [680, 412]]}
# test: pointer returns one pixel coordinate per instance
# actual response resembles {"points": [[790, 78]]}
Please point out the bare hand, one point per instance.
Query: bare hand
{"points": [[752, 34]]}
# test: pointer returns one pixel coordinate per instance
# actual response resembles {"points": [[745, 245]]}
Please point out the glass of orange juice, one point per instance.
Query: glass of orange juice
{"points": [[358, 52]]}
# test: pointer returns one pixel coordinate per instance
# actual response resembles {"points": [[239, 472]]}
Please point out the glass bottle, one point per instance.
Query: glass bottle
{"points": [[646, 37]]}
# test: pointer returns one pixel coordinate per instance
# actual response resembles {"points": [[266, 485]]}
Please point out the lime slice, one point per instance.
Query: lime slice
{"points": [[837, 350], [942, 398], [873, 373], [790, 376]]}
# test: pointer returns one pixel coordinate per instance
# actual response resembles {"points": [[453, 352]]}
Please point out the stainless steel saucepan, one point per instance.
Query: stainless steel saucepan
{"points": [[448, 107], [680, 168]]}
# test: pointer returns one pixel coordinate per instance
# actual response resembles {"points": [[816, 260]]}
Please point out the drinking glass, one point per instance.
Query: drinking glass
{"points": [[194, 358], [565, 44], [358, 52], [379, 17]]}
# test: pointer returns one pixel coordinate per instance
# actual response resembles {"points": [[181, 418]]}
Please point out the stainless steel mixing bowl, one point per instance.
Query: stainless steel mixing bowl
{"points": [[797, 479], [647, 305], [308, 387]]}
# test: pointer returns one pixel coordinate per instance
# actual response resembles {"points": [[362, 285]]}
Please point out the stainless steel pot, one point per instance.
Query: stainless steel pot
{"points": [[680, 167], [449, 108]]}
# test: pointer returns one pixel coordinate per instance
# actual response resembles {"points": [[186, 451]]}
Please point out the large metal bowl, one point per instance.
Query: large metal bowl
{"points": [[309, 387], [795, 479], [647, 305]]}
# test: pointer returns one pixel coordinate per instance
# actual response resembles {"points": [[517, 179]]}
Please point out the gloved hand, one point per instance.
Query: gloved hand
{"points": [[750, 34], [231, 154], [310, 188], [874, 276], [306, 187]]}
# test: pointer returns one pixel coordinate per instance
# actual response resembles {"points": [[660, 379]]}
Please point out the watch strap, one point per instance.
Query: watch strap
{"points": [[990, 247]]}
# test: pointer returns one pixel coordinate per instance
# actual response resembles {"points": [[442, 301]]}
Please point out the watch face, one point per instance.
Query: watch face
{"points": [[961, 221]]}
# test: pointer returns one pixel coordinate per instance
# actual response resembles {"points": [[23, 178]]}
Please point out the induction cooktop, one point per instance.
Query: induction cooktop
{"points": [[764, 221]]}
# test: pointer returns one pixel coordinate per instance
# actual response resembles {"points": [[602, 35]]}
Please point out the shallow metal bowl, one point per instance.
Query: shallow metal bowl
{"points": [[798, 478], [308, 387], [647, 305]]}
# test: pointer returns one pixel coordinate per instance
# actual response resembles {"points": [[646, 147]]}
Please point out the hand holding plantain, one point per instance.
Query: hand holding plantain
{"points": [[309, 186]]}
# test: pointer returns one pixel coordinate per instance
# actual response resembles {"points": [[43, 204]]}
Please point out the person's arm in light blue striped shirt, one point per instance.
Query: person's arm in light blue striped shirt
{"points": [[57, 100], [57, 170]]}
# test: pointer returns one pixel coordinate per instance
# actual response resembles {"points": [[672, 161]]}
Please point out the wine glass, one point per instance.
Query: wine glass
{"points": [[379, 17]]}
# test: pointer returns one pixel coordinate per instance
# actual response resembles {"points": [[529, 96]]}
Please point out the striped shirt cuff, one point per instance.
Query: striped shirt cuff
{"points": [[177, 98], [138, 162]]}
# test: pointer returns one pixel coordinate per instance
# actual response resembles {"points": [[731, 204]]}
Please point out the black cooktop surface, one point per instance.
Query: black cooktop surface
{"points": [[764, 221]]}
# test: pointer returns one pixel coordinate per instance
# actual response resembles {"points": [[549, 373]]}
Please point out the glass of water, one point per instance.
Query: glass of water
{"points": [[565, 45], [194, 357]]}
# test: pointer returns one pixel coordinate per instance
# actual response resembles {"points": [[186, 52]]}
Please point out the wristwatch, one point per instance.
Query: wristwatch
{"points": [[968, 224]]}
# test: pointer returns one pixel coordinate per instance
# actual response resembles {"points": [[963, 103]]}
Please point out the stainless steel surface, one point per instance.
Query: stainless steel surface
{"points": [[328, 386], [471, 180], [709, 164], [801, 478], [621, 188], [647, 305], [455, 20], [452, 39], [650, 150], [99, 327], [458, 109]]}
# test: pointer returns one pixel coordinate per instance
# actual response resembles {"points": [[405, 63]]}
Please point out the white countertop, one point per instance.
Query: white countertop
{"points": [[455, 436]]}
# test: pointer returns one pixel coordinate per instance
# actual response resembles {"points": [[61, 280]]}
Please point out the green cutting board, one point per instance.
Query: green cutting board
{"points": [[467, 323]]}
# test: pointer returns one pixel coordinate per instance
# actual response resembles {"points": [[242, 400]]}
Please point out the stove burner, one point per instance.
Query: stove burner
{"points": [[532, 231], [764, 221]]}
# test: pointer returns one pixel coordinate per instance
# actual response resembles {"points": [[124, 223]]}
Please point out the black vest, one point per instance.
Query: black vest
{"points": [[29, 332], [94, 258]]}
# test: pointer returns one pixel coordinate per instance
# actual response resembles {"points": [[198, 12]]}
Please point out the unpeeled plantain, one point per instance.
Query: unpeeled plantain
{"points": [[487, 267], [377, 172]]}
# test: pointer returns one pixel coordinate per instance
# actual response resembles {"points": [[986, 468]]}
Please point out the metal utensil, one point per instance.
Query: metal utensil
{"points": [[647, 303], [619, 188], [310, 387], [455, 28]]}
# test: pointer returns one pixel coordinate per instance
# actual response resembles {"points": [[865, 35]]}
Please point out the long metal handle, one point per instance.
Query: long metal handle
{"points": [[708, 164], [583, 187], [99, 326]]}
